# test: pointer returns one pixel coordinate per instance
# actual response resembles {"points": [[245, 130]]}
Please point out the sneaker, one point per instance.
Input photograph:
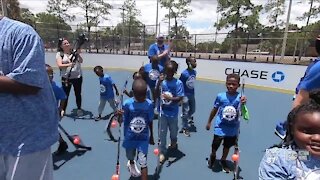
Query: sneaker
{"points": [[224, 166], [190, 120], [133, 169], [79, 112], [63, 146], [98, 118], [280, 130], [173, 147], [181, 131], [186, 132], [162, 158], [211, 161]]}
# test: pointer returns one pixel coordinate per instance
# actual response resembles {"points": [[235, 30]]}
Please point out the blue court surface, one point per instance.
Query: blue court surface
{"points": [[266, 108]]}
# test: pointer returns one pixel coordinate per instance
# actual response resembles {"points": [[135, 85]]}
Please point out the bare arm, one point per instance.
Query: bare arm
{"points": [[302, 97], [212, 114], [60, 64], [8, 85]]}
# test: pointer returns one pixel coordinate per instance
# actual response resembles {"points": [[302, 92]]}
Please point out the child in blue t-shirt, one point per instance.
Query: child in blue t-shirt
{"points": [[172, 93], [298, 157], [106, 91], [138, 131], [226, 125], [61, 97], [137, 75], [188, 78], [152, 72]]}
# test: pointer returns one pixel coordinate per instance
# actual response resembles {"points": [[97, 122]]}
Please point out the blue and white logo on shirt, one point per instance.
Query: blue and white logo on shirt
{"points": [[137, 125], [102, 88], [165, 101], [229, 113], [278, 76], [154, 74], [190, 82]]}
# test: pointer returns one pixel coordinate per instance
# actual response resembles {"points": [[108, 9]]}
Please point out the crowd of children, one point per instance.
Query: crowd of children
{"points": [[155, 87]]}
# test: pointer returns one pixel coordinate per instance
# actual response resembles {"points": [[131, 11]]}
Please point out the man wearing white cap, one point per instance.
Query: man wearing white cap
{"points": [[160, 49]]}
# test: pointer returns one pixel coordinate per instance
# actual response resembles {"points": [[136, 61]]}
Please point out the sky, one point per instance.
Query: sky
{"points": [[200, 21]]}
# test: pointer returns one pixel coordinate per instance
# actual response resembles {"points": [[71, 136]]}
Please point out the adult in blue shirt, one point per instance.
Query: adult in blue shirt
{"points": [[310, 81], [29, 114], [161, 50]]}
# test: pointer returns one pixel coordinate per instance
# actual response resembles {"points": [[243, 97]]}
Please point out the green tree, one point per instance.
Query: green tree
{"points": [[13, 9], [207, 47], [313, 12], [178, 9], [28, 17], [60, 8], [132, 27], [46, 26], [274, 8], [94, 11], [235, 13]]}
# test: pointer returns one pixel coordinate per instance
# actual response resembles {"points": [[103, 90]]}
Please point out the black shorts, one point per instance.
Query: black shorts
{"points": [[228, 141]]}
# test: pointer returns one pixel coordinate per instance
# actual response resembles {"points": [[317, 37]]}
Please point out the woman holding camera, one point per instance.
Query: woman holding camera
{"points": [[70, 70]]}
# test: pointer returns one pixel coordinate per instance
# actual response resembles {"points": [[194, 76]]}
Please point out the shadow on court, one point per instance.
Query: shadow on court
{"points": [[60, 160]]}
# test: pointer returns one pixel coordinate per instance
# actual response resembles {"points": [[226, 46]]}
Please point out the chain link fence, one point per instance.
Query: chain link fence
{"points": [[135, 40]]}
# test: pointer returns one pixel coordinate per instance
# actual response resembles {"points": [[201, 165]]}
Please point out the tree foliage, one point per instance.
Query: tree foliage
{"points": [[60, 8]]}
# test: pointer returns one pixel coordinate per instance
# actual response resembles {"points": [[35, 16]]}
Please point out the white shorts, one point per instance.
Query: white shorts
{"points": [[35, 166]]}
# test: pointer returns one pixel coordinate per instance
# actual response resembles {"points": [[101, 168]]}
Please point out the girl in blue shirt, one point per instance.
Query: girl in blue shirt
{"points": [[298, 157]]}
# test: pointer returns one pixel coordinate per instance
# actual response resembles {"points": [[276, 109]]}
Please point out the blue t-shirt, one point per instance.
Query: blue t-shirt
{"points": [[306, 72], [227, 120], [58, 92], [153, 73], [188, 78], [290, 164], [311, 80], [32, 119], [173, 88], [136, 119], [154, 49], [106, 87]]}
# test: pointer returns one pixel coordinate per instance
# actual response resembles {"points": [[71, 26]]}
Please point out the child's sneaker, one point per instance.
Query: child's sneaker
{"points": [[224, 166], [281, 130], [98, 118], [162, 158], [186, 132], [133, 169], [79, 112], [173, 146], [190, 120]]}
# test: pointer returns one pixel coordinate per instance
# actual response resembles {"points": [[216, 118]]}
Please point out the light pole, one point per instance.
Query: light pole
{"points": [[286, 32], [157, 18]]}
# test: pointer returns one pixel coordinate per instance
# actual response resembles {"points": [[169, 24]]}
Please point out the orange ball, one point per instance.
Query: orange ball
{"points": [[76, 140], [156, 151], [115, 177], [114, 124], [235, 157]]}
